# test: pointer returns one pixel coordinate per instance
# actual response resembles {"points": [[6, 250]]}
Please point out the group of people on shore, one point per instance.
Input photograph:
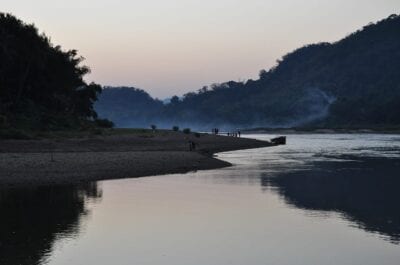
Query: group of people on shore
{"points": [[215, 131], [233, 134]]}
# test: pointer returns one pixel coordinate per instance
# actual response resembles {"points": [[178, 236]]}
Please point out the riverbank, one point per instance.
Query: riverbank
{"points": [[118, 155]]}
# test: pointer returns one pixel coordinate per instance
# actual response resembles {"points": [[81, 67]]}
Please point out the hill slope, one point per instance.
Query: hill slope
{"points": [[128, 106], [352, 82]]}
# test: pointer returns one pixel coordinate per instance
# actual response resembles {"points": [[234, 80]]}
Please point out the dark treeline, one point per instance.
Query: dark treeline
{"points": [[349, 83], [41, 85]]}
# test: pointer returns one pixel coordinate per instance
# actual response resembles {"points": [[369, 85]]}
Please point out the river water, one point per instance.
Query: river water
{"points": [[321, 199]]}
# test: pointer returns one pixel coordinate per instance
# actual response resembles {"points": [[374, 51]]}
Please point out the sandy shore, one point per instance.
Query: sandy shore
{"points": [[59, 161]]}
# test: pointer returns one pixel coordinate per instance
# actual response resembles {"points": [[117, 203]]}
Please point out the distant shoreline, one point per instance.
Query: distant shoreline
{"points": [[125, 155], [321, 130]]}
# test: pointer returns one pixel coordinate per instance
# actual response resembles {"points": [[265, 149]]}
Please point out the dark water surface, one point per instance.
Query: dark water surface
{"points": [[321, 199]]}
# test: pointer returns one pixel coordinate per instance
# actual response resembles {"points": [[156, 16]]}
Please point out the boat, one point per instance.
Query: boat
{"points": [[281, 140]]}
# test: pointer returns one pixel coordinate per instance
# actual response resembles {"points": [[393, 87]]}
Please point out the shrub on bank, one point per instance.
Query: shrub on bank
{"points": [[15, 134], [3, 121], [104, 123]]}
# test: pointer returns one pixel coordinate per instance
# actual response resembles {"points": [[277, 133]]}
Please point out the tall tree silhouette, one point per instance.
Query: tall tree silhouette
{"points": [[40, 84]]}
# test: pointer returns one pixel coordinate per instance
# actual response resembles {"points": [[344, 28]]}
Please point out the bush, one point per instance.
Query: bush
{"points": [[104, 123], [186, 130], [197, 135], [3, 121], [97, 131], [175, 128], [14, 134]]}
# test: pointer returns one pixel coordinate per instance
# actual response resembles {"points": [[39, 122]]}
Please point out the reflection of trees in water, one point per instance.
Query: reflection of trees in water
{"points": [[366, 192], [32, 219]]}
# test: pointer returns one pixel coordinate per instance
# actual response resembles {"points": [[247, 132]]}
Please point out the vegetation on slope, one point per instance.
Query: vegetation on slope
{"points": [[349, 83], [41, 85], [355, 81], [128, 106]]}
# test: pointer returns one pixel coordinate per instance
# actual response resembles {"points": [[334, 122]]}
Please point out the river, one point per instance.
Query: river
{"points": [[320, 199]]}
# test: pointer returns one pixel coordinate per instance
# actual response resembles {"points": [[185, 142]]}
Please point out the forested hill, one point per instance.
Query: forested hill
{"points": [[355, 81], [351, 82], [128, 107], [41, 85]]}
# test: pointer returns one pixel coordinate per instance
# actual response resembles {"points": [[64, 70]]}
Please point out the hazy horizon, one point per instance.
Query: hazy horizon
{"points": [[173, 47]]}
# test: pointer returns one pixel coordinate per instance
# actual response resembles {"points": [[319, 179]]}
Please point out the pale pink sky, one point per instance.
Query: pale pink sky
{"points": [[170, 47]]}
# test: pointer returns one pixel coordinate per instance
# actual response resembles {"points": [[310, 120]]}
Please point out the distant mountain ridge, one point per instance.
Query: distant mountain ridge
{"points": [[351, 82], [128, 106]]}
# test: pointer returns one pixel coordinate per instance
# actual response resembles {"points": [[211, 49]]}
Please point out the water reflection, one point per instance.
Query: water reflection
{"points": [[365, 190], [222, 216], [33, 219]]}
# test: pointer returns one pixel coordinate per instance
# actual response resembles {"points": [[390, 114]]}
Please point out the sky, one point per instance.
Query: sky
{"points": [[170, 47]]}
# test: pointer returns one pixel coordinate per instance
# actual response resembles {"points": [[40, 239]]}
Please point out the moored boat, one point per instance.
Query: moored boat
{"points": [[281, 140]]}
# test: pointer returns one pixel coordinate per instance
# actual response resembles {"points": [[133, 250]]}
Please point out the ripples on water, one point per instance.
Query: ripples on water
{"points": [[321, 199]]}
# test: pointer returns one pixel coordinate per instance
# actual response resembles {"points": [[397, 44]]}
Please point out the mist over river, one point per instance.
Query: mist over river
{"points": [[320, 199]]}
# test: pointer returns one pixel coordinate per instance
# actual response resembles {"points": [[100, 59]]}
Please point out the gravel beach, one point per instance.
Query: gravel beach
{"points": [[61, 161]]}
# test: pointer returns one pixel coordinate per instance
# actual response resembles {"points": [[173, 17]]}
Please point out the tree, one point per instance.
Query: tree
{"points": [[41, 84], [174, 100]]}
